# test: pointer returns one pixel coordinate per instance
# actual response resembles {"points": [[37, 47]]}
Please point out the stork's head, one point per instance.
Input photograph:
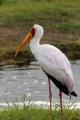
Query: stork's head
{"points": [[35, 32], [38, 31]]}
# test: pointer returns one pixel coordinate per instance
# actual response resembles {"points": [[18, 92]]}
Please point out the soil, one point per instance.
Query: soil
{"points": [[13, 35]]}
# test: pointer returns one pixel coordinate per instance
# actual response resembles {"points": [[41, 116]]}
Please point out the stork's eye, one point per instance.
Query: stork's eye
{"points": [[33, 31]]}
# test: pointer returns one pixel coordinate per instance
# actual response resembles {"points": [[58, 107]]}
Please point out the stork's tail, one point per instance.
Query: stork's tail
{"points": [[74, 94]]}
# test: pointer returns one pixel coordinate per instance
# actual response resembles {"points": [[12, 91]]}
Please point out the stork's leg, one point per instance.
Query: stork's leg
{"points": [[60, 95], [50, 94]]}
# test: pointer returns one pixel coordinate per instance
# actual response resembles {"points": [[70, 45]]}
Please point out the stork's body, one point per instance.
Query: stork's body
{"points": [[52, 61]]}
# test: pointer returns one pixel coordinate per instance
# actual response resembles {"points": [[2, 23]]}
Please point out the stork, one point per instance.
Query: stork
{"points": [[52, 61]]}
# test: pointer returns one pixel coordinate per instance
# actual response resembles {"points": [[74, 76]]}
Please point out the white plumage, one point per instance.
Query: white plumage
{"points": [[52, 60]]}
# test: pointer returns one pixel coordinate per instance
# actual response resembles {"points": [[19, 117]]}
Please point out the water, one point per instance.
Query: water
{"points": [[29, 82]]}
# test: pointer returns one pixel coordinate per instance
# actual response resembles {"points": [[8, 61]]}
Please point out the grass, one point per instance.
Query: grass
{"points": [[34, 113], [60, 17]]}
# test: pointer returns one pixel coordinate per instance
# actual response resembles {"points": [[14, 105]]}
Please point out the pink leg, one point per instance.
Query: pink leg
{"points": [[50, 95], [60, 95]]}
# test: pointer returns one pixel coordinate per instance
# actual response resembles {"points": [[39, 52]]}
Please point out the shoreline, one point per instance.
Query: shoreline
{"points": [[71, 50], [41, 104]]}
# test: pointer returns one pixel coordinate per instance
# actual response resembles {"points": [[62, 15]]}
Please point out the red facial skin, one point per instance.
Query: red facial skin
{"points": [[33, 31]]}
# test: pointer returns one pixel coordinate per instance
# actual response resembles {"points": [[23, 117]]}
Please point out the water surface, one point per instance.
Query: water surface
{"points": [[18, 83]]}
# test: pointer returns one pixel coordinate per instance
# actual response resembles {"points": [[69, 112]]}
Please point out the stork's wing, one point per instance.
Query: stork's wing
{"points": [[55, 63]]}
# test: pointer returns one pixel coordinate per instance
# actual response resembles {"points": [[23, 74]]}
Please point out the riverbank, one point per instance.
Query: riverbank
{"points": [[61, 22], [69, 48], [10, 39]]}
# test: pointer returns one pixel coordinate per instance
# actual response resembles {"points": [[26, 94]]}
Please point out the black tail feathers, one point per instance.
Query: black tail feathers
{"points": [[74, 94]]}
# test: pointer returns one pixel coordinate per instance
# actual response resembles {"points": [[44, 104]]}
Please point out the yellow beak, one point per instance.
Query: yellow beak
{"points": [[24, 42]]}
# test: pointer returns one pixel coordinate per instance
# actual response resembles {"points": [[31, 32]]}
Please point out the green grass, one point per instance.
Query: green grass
{"points": [[54, 15], [33, 113]]}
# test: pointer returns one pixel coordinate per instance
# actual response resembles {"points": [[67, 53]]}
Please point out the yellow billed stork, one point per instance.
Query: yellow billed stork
{"points": [[52, 61]]}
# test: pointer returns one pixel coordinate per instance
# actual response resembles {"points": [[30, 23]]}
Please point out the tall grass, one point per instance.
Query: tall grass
{"points": [[33, 113], [58, 14]]}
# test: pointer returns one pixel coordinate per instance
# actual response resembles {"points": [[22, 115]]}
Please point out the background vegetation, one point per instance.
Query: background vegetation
{"points": [[58, 15], [60, 19]]}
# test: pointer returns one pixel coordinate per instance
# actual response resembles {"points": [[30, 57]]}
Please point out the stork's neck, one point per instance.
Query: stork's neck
{"points": [[34, 44]]}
